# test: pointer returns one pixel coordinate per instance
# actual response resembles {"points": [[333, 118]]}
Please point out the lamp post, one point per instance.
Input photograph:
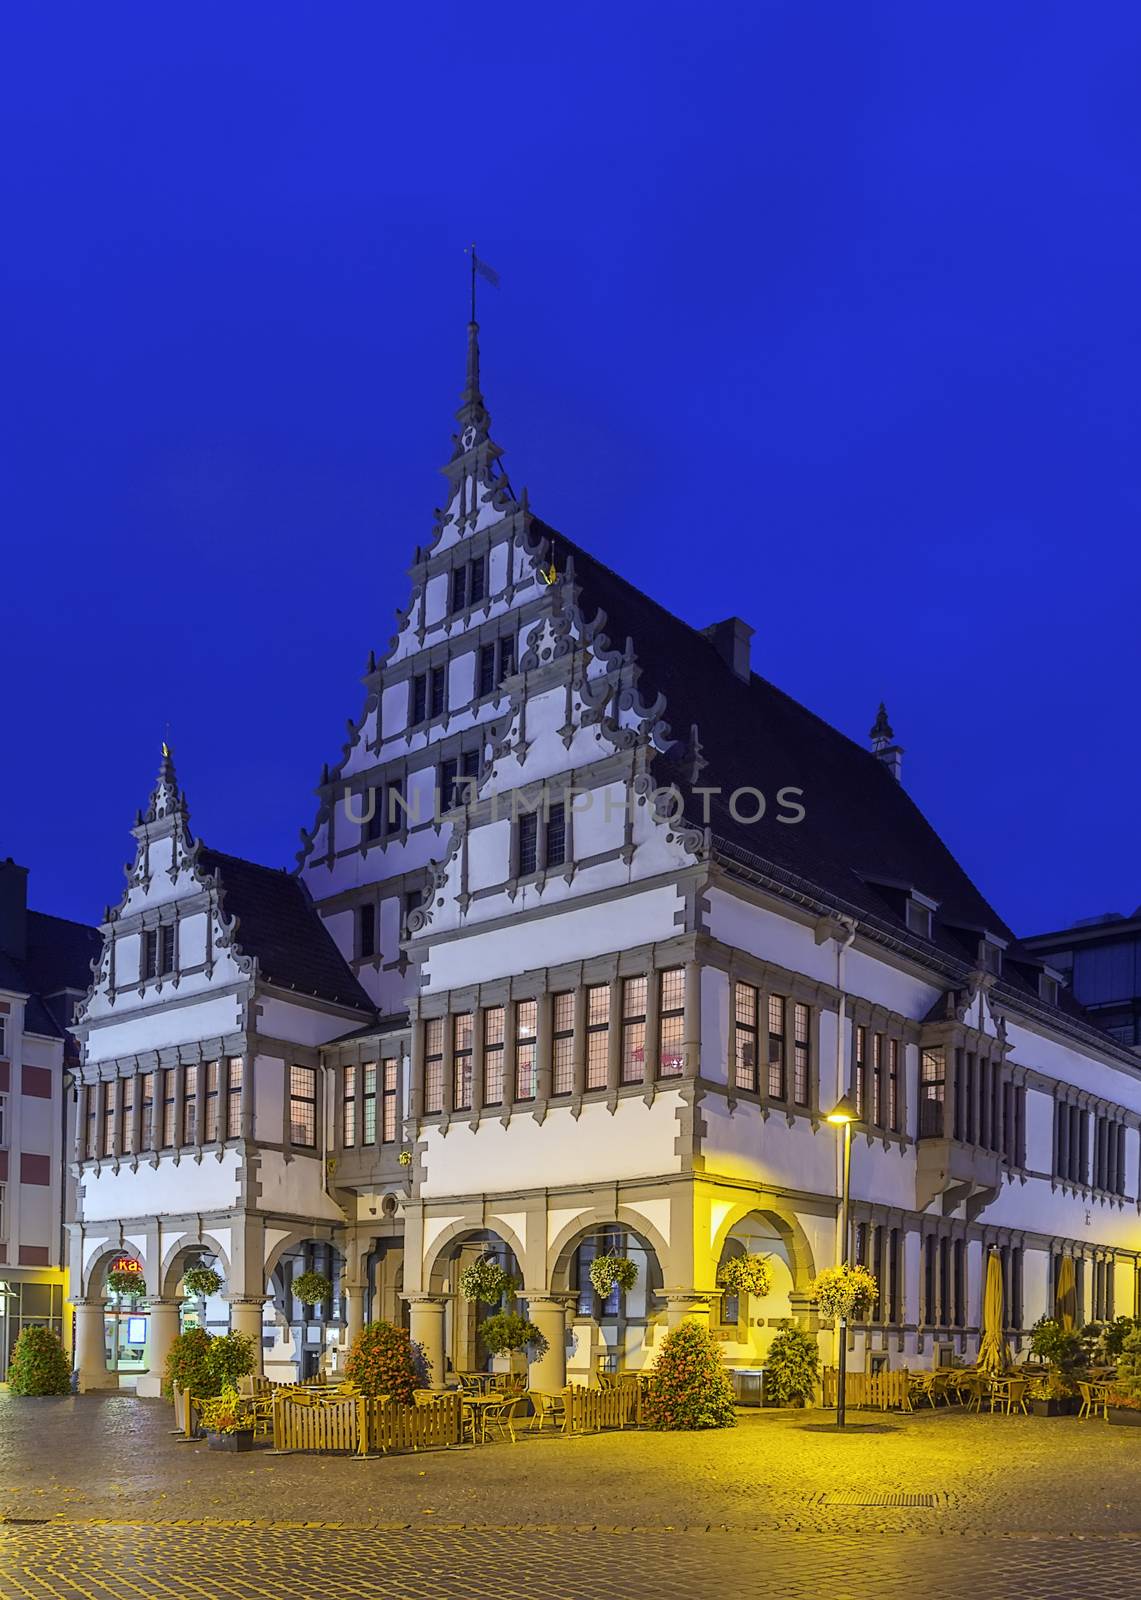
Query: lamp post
{"points": [[842, 1115]]}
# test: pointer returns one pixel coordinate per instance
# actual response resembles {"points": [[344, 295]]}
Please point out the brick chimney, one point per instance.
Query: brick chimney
{"points": [[731, 641], [13, 910]]}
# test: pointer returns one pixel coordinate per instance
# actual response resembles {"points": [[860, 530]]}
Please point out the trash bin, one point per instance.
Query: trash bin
{"points": [[748, 1385]]}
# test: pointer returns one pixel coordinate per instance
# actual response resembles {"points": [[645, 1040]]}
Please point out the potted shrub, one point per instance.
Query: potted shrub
{"points": [[39, 1365], [1054, 1392], [485, 1281], [511, 1336], [311, 1288], [227, 1421], [202, 1366], [792, 1367], [1124, 1404], [610, 1271], [383, 1360], [688, 1386], [749, 1274]]}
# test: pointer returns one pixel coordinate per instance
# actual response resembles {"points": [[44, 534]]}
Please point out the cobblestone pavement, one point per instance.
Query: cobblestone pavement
{"points": [[99, 1500]]}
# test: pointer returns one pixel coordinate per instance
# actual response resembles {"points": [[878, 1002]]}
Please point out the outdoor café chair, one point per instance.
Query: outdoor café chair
{"points": [[1016, 1394], [505, 1415], [545, 1406]]}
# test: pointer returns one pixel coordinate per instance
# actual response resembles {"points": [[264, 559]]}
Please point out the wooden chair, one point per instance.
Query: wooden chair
{"points": [[546, 1407], [505, 1415], [1016, 1395], [1094, 1398]]}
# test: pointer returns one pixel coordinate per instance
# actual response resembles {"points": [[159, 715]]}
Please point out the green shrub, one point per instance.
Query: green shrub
{"points": [[792, 1365], [203, 1366], [230, 1357], [507, 1332], [1066, 1351], [39, 1364], [383, 1360], [1128, 1384], [689, 1387]]}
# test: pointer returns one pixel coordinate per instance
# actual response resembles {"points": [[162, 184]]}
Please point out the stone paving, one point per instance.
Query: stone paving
{"points": [[99, 1500]]}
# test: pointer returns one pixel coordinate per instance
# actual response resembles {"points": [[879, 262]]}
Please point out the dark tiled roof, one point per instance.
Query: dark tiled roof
{"points": [[60, 952], [860, 824], [277, 923]]}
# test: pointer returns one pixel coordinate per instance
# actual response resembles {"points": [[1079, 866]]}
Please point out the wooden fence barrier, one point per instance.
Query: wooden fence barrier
{"points": [[588, 1410], [185, 1411], [356, 1424], [880, 1391], [430, 1425]]}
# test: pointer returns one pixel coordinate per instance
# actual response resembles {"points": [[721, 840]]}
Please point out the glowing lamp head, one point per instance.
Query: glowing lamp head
{"points": [[843, 1112]]}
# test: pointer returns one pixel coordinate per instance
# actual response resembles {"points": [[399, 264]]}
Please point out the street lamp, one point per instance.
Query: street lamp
{"points": [[842, 1115]]}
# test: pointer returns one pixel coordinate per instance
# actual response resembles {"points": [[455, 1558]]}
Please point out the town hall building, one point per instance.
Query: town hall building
{"points": [[592, 927]]}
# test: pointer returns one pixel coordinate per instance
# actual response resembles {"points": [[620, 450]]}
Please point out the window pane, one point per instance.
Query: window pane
{"points": [[368, 1116], [556, 836], [672, 1055], [746, 1005], [234, 1099], [528, 842], [525, 1072], [388, 1126]]}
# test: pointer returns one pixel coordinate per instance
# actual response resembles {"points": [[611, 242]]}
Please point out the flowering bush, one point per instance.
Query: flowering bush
{"points": [[38, 1365], [1064, 1350], [485, 1280], [507, 1331], [226, 1413], [203, 1366], [843, 1291], [383, 1360], [201, 1281], [746, 1275], [689, 1387], [312, 1287], [1127, 1388], [791, 1365], [608, 1270], [122, 1282]]}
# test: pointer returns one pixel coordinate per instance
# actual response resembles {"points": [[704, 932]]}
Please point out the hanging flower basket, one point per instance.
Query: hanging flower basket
{"points": [[746, 1275], [200, 1281], [843, 1292], [312, 1287], [608, 1271], [122, 1282], [485, 1280]]}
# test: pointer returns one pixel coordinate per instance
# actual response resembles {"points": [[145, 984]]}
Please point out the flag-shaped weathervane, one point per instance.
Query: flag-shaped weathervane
{"points": [[484, 271]]}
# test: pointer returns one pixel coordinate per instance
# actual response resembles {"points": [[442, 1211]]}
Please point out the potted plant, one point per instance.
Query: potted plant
{"points": [[1054, 1392], [201, 1281], [38, 1365], [510, 1335], [384, 1360], [485, 1281], [228, 1421], [610, 1271], [792, 1367], [1124, 1404], [750, 1274], [843, 1292], [311, 1288], [120, 1281], [688, 1386]]}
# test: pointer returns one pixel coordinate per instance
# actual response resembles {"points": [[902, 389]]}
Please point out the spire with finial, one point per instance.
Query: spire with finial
{"points": [[166, 797], [162, 831], [475, 456], [884, 747]]}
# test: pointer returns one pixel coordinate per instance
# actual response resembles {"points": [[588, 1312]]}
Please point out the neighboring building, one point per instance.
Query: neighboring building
{"points": [[1100, 959], [45, 970], [592, 1001]]}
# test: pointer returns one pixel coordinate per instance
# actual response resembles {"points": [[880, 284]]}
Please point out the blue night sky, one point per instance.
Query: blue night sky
{"points": [[825, 314]]}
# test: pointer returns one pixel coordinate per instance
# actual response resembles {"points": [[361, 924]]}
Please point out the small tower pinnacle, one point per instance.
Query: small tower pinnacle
{"points": [[884, 747]]}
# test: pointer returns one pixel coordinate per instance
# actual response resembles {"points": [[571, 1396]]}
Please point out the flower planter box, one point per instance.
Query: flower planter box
{"points": [[231, 1442], [1069, 1407], [1123, 1416]]}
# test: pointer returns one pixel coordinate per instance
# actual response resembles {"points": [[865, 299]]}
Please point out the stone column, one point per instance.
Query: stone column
{"points": [[354, 1311], [91, 1346], [162, 1330], [426, 1327], [690, 1305], [549, 1373], [246, 1317]]}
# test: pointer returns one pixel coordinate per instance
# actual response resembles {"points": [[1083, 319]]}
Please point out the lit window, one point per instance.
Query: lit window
{"points": [[526, 1022], [147, 1128], [126, 1116], [303, 1106], [463, 1035], [562, 1066], [349, 1107], [494, 1025], [434, 1065], [777, 1083], [210, 1105], [671, 1001], [108, 1119], [745, 1066], [802, 1066], [388, 1123], [368, 1119], [168, 1109], [634, 1030], [234, 1098], [597, 1035], [190, 1105]]}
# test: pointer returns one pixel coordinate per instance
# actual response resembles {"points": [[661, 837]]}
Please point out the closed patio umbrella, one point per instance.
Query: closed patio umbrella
{"points": [[994, 1357], [1066, 1295]]}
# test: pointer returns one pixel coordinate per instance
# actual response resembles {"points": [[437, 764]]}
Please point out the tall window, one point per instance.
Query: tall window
{"points": [[463, 1034], [109, 1119], [437, 691], [556, 852], [562, 1044], [861, 1072], [434, 1065], [210, 1104], [368, 1106], [893, 1263], [776, 1076], [429, 695], [932, 1088], [1072, 1131], [190, 1105], [126, 1115], [349, 1107], [893, 1085], [168, 1109], [496, 662], [158, 951], [597, 1035], [528, 846], [303, 1106], [366, 930], [91, 1136], [3, 1121], [671, 1012], [388, 1120], [541, 841], [147, 1126], [457, 780], [802, 1066], [469, 583], [494, 1025], [745, 1066], [877, 1079], [234, 1098], [526, 1022], [634, 1030], [3, 1037]]}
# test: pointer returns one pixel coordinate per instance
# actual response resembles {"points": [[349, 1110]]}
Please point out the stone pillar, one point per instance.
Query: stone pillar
{"points": [[246, 1316], [354, 1311], [426, 1327], [91, 1346], [549, 1373], [689, 1305], [162, 1330]]}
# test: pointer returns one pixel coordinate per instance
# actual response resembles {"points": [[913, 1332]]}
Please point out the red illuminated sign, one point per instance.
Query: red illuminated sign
{"points": [[126, 1264]]}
